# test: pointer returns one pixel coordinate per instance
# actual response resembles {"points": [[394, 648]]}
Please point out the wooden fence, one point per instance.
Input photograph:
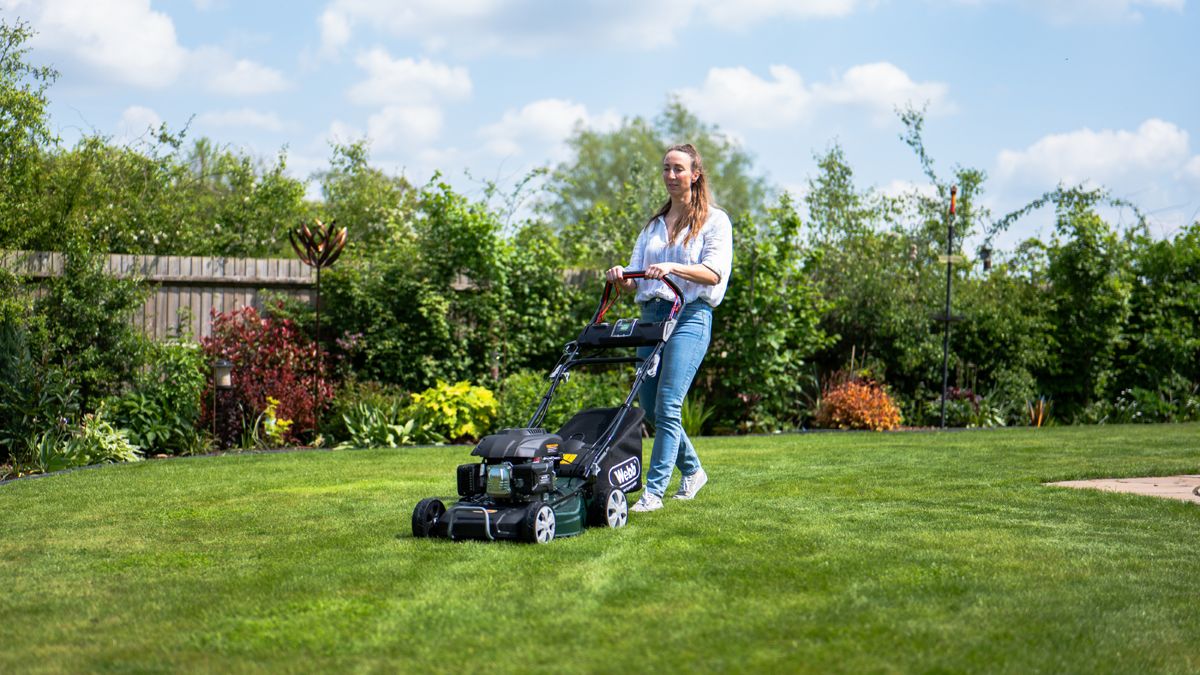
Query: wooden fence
{"points": [[186, 285]]}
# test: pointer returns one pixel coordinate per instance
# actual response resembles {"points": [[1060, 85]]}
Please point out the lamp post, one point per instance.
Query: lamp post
{"points": [[222, 382]]}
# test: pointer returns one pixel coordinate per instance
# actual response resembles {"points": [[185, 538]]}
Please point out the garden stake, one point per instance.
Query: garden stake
{"points": [[318, 249], [946, 317]]}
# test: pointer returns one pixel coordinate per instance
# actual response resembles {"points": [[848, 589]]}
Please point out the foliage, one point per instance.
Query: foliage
{"points": [[1090, 292], [454, 413], [155, 197], [1162, 335], [855, 403], [93, 440], [1173, 400], [162, 409], [766, 328], [351, 392], [274, 428], [24, 133], [372, 426], [617, 172], [966, 408], [272, 359], [694, 415], [86, 312], [372, 205], [521, 393], [877, 278]]}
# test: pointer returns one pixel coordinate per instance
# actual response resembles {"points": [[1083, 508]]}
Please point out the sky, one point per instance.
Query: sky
{"points": [[1033, 92]]}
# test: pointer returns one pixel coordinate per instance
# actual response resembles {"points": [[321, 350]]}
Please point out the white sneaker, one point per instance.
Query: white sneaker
{"points": [[648, 502], [690, 485]]}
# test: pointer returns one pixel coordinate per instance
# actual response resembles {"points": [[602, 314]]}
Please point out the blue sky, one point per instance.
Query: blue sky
{"points": [[1032, 92]]}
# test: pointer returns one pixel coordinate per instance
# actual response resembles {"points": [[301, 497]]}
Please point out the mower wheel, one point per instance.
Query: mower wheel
{"points": [[609, 508], [426, 516], [538, 526]]}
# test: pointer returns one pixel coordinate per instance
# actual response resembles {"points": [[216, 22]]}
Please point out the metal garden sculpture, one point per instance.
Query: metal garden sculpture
{"points": [[318, 248]]}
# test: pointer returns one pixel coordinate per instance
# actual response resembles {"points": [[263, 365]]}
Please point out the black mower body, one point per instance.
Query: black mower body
{"points": [[533, 485]]}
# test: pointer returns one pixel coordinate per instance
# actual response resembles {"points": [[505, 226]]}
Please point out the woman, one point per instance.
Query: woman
{"points": [[691, 240]]}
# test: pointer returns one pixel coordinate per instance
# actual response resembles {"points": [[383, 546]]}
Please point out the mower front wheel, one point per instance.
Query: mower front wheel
{"points": [[609, 508], [425, 517], [538, 526]]}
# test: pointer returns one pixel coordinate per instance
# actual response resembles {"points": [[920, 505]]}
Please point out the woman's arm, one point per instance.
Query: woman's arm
{"points": [[699, 274]]}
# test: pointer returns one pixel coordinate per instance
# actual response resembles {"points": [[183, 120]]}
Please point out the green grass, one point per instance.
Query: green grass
{"points": [[811, 553]]}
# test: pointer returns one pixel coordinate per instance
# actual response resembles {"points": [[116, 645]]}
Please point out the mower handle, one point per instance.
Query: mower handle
{"points": [[607, 300]]}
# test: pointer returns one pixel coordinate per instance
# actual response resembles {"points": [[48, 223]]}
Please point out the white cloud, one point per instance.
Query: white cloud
{"points": [[1192, 169], [542, 126], [230, 76], [244, 118], [137, 123], [407, 81], [745, 12], [1076, 11], [1104, 157], [739, 99], [1104, 10], [899, 188], [126, 42], [1151, 166], [335, 31], [404, 128], [122, 40], [882, 87], [531, 26]]}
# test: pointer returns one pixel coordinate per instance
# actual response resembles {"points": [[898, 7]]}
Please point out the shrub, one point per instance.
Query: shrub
{"points": [[271, 358], [35, 396], [162, 410], [372, 426], [857, 404], [86, 313], [94, 440], [521, 392], [347, 397], [453, 412], [965, 408]]}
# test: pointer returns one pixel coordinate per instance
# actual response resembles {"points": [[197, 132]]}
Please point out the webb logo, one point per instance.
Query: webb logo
{"points": [[625, 474]]}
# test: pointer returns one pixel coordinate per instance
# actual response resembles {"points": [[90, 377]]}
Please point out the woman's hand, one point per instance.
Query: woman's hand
{"points": [[660, 270], [616, 275]]}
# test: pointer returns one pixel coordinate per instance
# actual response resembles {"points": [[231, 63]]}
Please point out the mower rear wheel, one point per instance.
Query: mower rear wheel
{"points": [[609, 508], [425, 517], [538, 526]]}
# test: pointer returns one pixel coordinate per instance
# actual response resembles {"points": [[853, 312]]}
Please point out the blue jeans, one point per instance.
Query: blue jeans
{"points": [[662, 396]]}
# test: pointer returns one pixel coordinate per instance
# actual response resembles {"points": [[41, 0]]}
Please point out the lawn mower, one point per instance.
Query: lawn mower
{"points": [[532, 485]]}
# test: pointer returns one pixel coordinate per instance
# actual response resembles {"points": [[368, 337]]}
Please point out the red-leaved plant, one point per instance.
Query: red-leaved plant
{"points": [[271, 357], [856, 403]]}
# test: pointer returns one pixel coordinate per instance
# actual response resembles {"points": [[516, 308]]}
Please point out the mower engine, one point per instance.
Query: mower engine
{"points": [[518, 466]]}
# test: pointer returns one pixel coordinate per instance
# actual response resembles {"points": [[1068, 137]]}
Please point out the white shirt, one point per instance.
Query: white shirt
{"points": [[713, 248]]}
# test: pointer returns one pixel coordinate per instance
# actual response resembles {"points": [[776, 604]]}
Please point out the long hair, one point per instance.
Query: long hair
{"points": [[697, 209]]}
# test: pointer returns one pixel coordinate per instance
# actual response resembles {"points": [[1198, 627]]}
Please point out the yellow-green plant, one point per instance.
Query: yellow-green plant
{"points": [[453, 412]]}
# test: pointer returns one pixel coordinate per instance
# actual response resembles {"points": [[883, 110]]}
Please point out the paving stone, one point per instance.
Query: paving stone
{"points": [[1186, 487]]}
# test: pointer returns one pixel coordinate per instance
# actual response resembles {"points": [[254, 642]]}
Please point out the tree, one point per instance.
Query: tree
{"points": [[1090, 291], [376, 208], [24, 133], [612, 184]]}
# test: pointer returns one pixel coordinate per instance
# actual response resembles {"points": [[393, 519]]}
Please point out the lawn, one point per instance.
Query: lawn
{"points": [[831, 552]]}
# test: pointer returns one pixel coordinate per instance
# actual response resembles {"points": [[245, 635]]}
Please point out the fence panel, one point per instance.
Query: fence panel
{"points": [[185, 285]]}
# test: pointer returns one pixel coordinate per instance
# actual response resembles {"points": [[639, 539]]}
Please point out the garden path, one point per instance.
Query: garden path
{"points": [[1185, 487]]}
